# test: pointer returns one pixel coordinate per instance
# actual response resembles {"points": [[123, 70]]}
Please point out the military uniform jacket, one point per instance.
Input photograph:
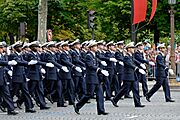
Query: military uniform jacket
{"points": [[51, 73], [34, 71], [139, 56], [19, 74], [120, 57], [160, 66], [129, 68], [91, 69], [77, 61], [101, 56], [110, 65], [3, 63], [66, 60]]}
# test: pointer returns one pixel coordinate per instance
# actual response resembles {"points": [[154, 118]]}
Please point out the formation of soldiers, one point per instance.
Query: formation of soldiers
{"points": [[76, 73]]}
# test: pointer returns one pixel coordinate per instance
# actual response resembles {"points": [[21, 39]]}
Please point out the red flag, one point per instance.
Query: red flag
{"points": [[154, 6], [140, 7]]}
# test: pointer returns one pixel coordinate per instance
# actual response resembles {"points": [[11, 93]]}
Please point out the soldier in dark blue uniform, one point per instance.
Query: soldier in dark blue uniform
{"points": [[161, 76], [119, 55], [66, 60], [78, 77], [19, 78], [5, 93], [60, 100], [100, 54], [129, 77], [93, 84], [35, 75], [52, 82], [111, 67], [139, 56]]}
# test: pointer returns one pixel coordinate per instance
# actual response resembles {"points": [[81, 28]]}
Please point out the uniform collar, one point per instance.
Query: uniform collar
{"points": [[94, 54]]}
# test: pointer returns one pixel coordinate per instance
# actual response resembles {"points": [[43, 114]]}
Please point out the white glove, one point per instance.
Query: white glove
{"points": [[12, 62], [142, 71], [105, 72], [171, 72], [143, 66], [49, 65], [166, 68], [121, 63], [103, 63], [113, 59], [152, 63], [65, 69], [84, 68], [10, 73], [27, 79], [43, 71], [32, 62], [78, 69]]}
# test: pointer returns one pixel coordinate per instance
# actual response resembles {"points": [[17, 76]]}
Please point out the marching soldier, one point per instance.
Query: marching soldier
{"points": [[60, 101], [66, 77], [129, 78], [93, 83], [105, 80], [19, 78], [78, 77], [161, 76], [111, 67], [35, 75], [119, 55], [5, 93], [52, 82], [139, 56]]}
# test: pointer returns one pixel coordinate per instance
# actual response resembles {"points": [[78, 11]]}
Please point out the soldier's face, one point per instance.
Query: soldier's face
{"points": [[100, 47], [94, 48], [121, 46], [78, 46], [131, 50], [141, 47], [66, 48], [1, 50]]}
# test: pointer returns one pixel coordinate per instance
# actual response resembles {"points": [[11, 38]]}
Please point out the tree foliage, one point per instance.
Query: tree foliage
{"points": [[68, 19]]}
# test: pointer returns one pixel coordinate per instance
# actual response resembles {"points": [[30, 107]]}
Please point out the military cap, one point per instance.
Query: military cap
{"points": [[130, 45], [110, 43], [139, 44]]}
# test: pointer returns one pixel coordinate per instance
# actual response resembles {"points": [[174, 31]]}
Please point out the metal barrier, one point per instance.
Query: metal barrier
{"points": [[151, 73], [178, 72]]}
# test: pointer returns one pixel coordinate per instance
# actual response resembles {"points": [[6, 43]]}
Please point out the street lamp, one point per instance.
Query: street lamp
{"points": [[172, 53]]}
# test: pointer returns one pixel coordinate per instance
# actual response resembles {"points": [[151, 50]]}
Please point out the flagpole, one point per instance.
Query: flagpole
{"points": [[133, 27]]}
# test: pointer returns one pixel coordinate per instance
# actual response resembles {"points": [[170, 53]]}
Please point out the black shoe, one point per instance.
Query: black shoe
{"points": [[30, 110], [127, 96], [170, 100], [140, 105], [12, 112], [61, 105], [76, 109], [71, 103], [148, 99], [107, 99], [3, 109], [121, 99], [50, 98], [103, 113], [88, 102], [114, 103], [18, 105], [44, 108]]}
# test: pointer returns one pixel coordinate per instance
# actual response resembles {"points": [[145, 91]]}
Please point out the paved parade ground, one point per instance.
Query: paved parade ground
{"points": [[157, 109]]}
